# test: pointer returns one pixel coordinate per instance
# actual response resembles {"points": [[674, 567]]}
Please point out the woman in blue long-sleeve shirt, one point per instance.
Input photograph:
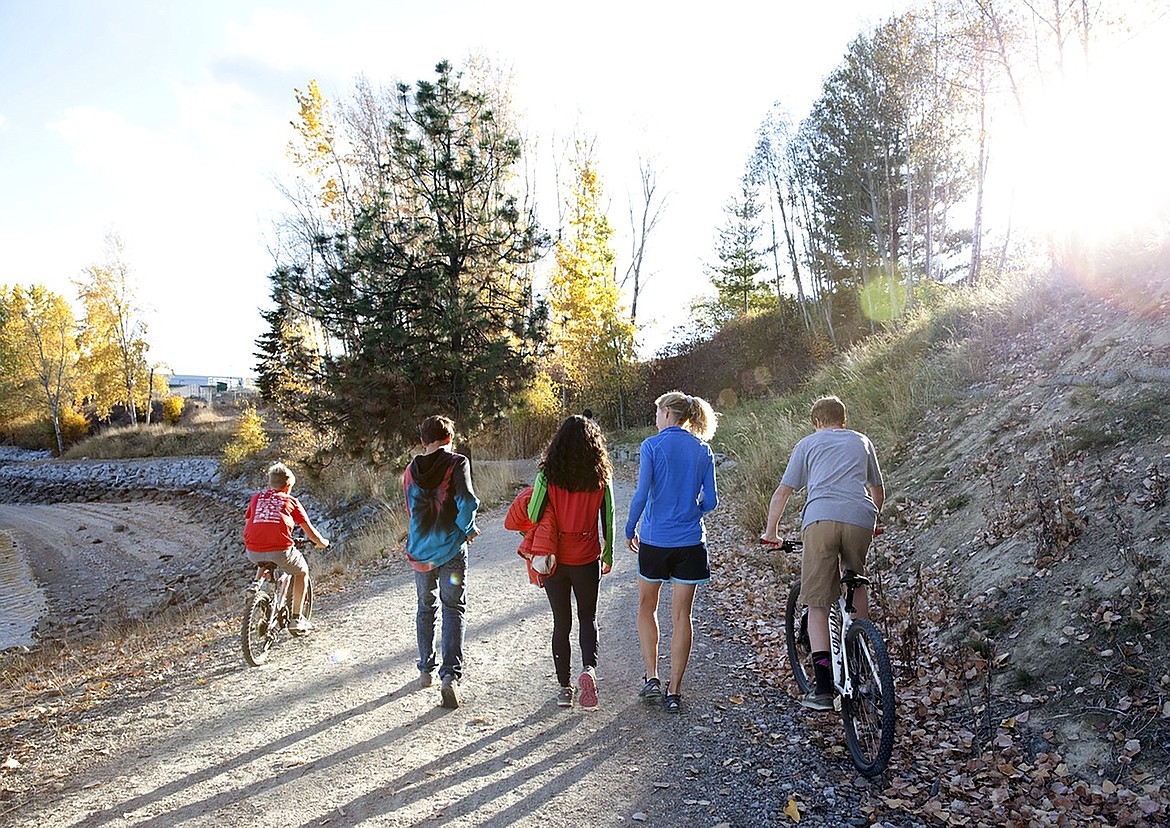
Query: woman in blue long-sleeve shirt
{"points": [[676, 487]]}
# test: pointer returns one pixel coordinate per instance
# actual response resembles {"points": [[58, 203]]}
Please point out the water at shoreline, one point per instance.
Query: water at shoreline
{"points": [[22, 602]]}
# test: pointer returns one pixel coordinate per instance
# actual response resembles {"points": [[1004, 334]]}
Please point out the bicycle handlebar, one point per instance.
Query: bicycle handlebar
{"points": [[796, 544]]}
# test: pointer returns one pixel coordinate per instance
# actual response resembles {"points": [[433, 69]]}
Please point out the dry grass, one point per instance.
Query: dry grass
{"points": [[497, 481], [379, 538], [887, 382], [204, 434]]}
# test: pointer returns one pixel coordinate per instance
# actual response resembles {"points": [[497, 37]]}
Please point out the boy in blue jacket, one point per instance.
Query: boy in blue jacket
{"points": [[441, 504]]}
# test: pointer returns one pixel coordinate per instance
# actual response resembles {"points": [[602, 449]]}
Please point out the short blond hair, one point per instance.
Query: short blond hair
{"points": [[692, 413], [280, 475]]}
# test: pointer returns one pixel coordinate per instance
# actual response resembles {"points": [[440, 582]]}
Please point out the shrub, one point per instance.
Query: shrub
{"points": [[74, 426], [172, 409], [528, 427], [249, 440]]}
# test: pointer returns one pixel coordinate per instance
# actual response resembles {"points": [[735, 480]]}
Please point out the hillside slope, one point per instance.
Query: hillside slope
{"points": [[1022, 577]]}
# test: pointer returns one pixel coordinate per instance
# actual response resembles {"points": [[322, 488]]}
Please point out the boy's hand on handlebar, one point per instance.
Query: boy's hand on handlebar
{"points": [[324, 544], [769, 538]]}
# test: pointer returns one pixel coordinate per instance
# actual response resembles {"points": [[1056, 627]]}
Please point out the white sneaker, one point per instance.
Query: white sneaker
{"points": [[587, 683], [301, 625]]}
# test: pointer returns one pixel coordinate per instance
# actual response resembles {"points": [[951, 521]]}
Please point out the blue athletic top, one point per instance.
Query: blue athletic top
{"points": [[676, 487]]}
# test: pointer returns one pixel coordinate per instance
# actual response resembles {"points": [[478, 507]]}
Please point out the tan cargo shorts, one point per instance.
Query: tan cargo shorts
{"points": [[289, 560], [829, 548]]}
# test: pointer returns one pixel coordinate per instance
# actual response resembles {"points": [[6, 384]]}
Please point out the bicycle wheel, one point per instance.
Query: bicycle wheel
{"points": [[869, 712], [306, 607], [796, 637], [256, 636]]}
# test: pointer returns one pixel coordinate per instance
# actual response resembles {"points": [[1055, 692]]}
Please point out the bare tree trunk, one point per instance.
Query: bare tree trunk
{"points": [[792, 257], [980, 179], [641, 227], [149, 395], [876, 222], [1007, 238], [775, 251], [910, 162]]}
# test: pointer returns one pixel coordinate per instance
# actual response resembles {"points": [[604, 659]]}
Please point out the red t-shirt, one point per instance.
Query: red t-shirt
{"points": [[269, 523]]}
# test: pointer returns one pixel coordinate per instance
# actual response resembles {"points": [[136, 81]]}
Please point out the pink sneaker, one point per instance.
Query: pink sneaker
{"points": [[587, 698]]}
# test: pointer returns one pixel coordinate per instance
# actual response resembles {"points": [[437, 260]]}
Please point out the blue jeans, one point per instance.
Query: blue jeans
{"points": [[448, 583]]}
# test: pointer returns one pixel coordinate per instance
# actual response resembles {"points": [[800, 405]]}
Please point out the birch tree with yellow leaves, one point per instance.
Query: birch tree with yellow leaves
{"points": [[38, 339], [591, 333], [113, 336]]}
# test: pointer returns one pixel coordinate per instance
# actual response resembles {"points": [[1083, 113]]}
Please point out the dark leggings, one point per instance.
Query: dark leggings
{"points": [[582, 581]]}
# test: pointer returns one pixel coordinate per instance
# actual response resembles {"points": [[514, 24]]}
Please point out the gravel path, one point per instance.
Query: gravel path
{"points": [[334, 731]]}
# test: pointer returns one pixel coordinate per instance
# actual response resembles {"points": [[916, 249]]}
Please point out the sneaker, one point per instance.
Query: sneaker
{"points": [[565, 696], [447, 691], [820, 702], [425, 679], [652, 690], [588, 685], [301, 625], [672, 702]]}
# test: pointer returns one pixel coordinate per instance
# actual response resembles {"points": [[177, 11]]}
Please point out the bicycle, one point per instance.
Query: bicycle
{"points": [[268, 609], [862, 675]]}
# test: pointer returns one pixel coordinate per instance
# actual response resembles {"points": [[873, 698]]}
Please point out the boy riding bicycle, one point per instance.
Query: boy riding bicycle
{"points": [[845, 494], [268, 535]]}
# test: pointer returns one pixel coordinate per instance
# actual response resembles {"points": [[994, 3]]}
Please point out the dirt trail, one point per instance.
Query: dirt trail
{"points": [[334, 730]]}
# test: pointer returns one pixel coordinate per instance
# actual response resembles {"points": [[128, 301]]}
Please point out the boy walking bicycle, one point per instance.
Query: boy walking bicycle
{"points": [[845, 494]]}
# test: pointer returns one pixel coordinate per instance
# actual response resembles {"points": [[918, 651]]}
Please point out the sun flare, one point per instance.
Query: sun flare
{"points": [[1090, 160]]}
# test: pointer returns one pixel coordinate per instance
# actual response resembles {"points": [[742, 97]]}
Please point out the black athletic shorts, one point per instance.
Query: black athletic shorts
{"points": [[685, 564]]}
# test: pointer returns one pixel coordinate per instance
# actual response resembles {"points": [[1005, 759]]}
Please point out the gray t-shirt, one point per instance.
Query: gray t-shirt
{"points": [[837, 465]]}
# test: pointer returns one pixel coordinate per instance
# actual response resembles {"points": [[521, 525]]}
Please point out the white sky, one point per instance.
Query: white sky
{"points": [[168, 121]]}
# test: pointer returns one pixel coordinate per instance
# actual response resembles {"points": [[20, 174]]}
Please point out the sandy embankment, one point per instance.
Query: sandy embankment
{"points": [[109, 542]]}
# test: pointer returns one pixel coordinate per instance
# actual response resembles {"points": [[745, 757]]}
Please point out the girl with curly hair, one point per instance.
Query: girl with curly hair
{"points": [[574, 481]]}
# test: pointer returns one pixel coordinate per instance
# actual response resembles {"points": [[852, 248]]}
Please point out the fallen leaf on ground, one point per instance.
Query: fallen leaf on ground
{"points": [[792, 811]]}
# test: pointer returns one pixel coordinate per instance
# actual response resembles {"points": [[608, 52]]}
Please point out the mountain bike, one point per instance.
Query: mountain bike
{"points": [[268, 609], [862, 675]]}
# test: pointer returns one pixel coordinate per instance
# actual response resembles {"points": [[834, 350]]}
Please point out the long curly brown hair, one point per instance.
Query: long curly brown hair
{"points": [[576, 458]]}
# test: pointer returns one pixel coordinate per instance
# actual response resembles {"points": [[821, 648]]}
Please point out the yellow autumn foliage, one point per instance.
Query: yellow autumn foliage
{"points": [[172, 409], [592, 337], [249, 440]]}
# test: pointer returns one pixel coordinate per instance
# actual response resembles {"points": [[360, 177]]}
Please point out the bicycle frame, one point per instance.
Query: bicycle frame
{"points": [[842, 680], [280, 587]]}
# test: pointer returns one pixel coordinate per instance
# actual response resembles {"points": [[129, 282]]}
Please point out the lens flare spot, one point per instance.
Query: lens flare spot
{"points": [[339, 657], [883, 300]]}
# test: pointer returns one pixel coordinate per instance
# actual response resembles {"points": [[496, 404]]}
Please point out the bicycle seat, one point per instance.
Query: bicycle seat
{"points": [[268, 567], [852, 579]]}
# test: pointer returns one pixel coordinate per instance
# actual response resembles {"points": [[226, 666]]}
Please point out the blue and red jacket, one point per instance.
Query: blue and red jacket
{"points": [[441, 504]]}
